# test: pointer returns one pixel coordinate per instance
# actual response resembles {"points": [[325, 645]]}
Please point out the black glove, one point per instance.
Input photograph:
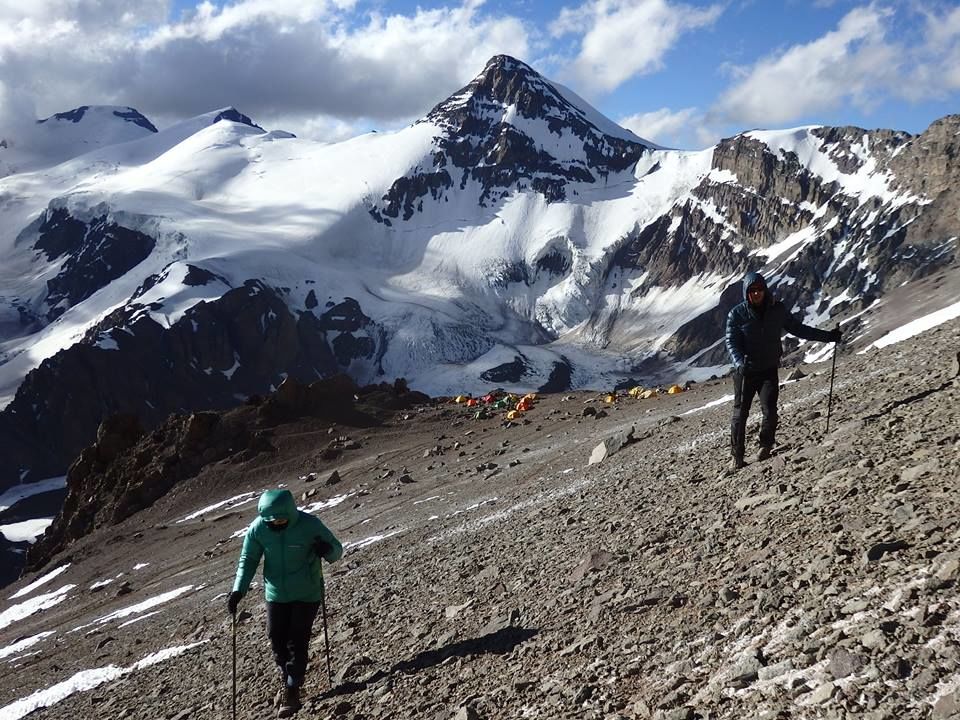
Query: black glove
{"points": [[233, 600], [321, 547], [836, 336]]}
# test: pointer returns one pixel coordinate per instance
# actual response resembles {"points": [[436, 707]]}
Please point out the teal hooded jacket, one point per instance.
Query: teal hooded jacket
{"points": [[292, 570]]}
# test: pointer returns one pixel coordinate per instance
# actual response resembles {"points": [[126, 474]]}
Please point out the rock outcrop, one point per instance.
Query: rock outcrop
{"points": [[127, 469]]}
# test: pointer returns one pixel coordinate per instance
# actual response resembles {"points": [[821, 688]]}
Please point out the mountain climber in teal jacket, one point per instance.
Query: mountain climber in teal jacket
{"points": [[754, 329], [291, 543]]}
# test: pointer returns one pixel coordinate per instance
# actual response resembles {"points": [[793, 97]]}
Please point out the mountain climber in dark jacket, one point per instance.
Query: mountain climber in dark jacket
{"points": [[754, 329], [291, 543]]}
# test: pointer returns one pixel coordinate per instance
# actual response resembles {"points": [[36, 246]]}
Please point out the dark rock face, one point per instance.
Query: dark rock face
{"points": [[560, 378], [344, 317], [74, 116], [97, 252], [131, 115], [12, 556], [481, 143], [236, 116], [200, 276], [126, 471], [217, 354], [509, 372]]}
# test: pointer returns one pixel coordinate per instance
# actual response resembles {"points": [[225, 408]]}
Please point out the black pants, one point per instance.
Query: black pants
{"points": [[766, 385], [288, 627]]}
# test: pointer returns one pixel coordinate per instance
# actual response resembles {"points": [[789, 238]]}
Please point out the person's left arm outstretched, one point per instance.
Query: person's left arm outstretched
{"points": [[793, 326]]}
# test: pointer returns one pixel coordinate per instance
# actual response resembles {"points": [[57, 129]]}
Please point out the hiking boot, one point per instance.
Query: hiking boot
{"points": [[736, 463], [290, 703], [764, 453]]}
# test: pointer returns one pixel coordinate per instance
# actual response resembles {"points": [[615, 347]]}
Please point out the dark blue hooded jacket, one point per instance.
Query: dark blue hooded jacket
{"points": [[753, 334]]}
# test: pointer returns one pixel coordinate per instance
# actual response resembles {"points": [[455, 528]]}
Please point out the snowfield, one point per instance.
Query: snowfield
{"points": [[452, 288]]}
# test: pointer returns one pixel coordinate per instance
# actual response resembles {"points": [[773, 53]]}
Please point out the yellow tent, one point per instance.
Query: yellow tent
{"points": [[674, 389], [636, 391], [513, 415], [649, 394], [610, 399]]}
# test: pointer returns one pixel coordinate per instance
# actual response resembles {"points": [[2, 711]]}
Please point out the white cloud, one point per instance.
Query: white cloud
{"points": [[937, 68], [210, 22], [663, 126], [624, 38], [84, 13], [853, 62], [323, 128], [310, 63]]}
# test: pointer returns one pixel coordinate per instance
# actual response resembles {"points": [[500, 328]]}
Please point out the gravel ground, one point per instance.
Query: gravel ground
{"points": [[491, 572]]}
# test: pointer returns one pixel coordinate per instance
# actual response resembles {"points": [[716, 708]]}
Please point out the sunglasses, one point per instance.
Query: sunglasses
{"points": [[277, 524]]}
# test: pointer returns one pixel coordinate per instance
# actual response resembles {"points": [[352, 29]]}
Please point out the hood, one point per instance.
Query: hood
{"points": [[277, 504], [752, 277]]}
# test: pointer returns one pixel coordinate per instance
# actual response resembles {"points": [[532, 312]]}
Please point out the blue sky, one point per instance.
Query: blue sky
{"points": [[679, 73]]}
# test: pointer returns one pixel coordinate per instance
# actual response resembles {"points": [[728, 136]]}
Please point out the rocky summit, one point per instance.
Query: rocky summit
{"points": [[593, 558]]}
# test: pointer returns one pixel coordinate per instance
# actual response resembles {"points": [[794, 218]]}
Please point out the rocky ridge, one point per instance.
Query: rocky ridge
{"points": [[861, 252], [491, 571]]}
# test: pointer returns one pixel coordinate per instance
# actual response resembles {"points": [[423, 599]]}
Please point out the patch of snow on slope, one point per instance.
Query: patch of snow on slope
{"points": [[27, 530], [21, 645], [140, 607], [316, 507], [917, 326], [18, 612], [358, 544], [85, 680], [39, 581], [235, 501]]}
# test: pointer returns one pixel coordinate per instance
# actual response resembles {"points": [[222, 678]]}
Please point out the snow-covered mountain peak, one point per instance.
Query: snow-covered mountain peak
{"points": [[510, 130], [510, 91], [67, 135], [92, 114]]}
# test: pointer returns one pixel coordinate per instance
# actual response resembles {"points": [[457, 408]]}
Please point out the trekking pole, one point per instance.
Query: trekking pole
{"points": [[326, 638], [234, 666], [833, 369]]}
